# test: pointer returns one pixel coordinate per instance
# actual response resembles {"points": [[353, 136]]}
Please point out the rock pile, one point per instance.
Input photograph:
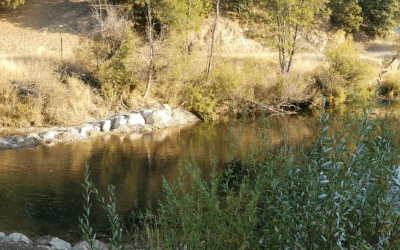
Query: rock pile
{"points": [[139, 121], [47, 242]]}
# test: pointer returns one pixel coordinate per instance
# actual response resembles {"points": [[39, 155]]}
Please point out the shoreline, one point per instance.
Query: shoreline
{"points": [[139, 121]]}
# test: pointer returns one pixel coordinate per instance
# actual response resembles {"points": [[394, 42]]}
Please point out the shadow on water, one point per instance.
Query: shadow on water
{"points": [[40, 189]]}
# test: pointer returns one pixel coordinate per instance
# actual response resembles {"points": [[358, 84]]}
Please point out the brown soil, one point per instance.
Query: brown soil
{"points": [[39, 26]]}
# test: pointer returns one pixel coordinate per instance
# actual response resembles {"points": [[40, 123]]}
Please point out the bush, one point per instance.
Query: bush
{"points": [[208, 91], [117, 76], [391, 85], [345, 61]]}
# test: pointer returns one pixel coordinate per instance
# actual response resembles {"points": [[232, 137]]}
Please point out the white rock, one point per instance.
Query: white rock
{"points": [[145, 113], [32, 135], [48, 135], [59, 244], [84, 129], [85, 246], [136, 119], [4, 142], [165, 118], [105, 125], [167, 109], [20, 139], [121, 120], [2, 235], [17, 237], [157, 116]]}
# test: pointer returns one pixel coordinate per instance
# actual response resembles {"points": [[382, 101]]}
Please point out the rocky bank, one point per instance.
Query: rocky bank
{"points": [[17, 241], [139, 121]]}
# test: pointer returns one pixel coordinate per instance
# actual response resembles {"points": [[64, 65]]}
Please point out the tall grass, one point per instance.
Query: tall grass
{"points": [[340, 191]]}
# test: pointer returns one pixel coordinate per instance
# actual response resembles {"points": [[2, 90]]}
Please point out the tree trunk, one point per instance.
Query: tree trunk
{"points": [[150, 33], [213, 38], [294, 47]]}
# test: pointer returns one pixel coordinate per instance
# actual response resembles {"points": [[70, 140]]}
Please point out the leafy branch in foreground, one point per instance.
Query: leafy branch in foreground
{"points": [[116, 241]]}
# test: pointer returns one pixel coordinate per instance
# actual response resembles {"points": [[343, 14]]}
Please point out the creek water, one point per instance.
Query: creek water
{"points": [[41, 192]]}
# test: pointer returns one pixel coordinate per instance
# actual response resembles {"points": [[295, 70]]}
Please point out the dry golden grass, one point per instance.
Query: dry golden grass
{"points": [[34, 92]]}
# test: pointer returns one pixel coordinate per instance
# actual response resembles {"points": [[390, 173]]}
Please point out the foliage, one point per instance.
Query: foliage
{"points": [[391, 85], [288, 19], [335, 90], [202, 106], [183, 16], [382, 16], [11, 3], [345, 61], [117, 75], [346, 14], [116, 242], [209, 90]]}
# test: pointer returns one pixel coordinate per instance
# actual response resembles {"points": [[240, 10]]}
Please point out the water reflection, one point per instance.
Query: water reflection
{"points": [[40, 191]]}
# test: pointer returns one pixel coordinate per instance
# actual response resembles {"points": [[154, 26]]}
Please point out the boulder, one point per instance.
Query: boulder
{"points": [[48, 135], [121, 120], [157, 117], [2, 235], [32, 135], [84, 129], [59, 244], [85, 246], [145, 113], [17, 237], [166, 108], [105, 125], [136, 119], [44, 240]]}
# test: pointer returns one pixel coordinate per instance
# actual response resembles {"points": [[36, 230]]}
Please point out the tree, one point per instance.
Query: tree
{"points": [[183, 16], [213, 38], [150, 36], [11, 3], [346, 14], [381, 16], [288, 19]]}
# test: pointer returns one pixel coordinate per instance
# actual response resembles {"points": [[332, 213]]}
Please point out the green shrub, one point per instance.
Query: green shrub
{"points": [[345, 61], [203, 106], [391, 85], [117, 75]]}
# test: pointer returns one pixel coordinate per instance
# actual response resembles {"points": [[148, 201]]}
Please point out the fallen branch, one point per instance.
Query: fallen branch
{"points": [[268, 107]]}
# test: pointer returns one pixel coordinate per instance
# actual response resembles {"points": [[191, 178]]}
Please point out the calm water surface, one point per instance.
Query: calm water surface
{"points": [[40, 191]]}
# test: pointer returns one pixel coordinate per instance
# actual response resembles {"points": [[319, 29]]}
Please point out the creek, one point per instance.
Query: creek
{"points": [[41, 192]]}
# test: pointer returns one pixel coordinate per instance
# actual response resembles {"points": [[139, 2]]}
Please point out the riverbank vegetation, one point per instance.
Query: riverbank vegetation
{"points": [[112, 68], [340, 191]]}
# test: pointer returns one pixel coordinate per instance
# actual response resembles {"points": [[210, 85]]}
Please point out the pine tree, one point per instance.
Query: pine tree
{"points": [[381, 16], [346, 14]]}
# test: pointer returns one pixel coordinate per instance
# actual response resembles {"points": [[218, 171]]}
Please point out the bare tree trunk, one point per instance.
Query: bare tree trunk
{"points": [[213, 38], [294, 47], [150, 34]]}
